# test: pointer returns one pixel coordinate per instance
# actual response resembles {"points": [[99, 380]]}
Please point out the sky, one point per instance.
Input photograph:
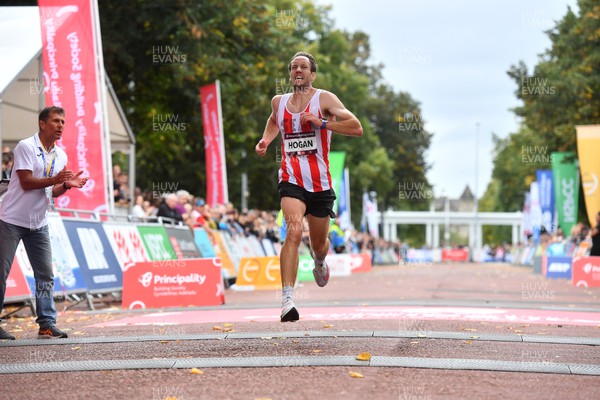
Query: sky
{"points": [[452, 57]]}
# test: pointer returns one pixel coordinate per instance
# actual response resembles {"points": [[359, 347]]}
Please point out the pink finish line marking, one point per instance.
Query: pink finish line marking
{"points": [[495, 315]]}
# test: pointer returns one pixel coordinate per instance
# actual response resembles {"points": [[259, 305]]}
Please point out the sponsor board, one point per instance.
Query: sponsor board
{"points": [[260, 273], [99, 265], [558, 267], [339, 265], [183, 243], [157, 243], [17, 288], [222, 252], [203, 242], [64, 262], [455, 255], [586, 272], [173, 283], [126, 242]]}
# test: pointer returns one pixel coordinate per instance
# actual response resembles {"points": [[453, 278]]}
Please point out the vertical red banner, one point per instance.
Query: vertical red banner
{"points": [[214, 147], [71, 80]]}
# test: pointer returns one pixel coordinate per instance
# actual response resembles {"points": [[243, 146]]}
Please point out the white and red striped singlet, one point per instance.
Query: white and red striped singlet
{"points": [[305, 149]]}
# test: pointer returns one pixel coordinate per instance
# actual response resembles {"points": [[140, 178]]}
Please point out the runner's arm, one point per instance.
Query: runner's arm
{"points": [[271, 129], [343, 121]]}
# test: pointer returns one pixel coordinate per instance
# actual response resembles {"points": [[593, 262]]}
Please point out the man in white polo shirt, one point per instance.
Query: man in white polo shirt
{"points": [[39, 175]]}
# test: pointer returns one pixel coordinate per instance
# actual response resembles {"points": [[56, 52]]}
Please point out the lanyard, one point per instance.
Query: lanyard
{"points": [[48, 167]]}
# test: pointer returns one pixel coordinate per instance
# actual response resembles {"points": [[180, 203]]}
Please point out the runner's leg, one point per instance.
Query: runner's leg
{"points": [[293, 212], [319, 235]]}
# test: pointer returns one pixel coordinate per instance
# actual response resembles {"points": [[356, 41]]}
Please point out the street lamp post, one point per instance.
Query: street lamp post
{"points": [[476, 192]]}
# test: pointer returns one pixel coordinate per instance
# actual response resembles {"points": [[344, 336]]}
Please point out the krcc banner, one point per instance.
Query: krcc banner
{"points": [[566, 189]]}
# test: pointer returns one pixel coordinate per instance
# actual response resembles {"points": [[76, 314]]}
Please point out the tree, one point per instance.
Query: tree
{"points": [[562, 91]]}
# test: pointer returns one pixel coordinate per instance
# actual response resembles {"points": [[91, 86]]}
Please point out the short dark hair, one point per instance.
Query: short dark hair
{"points": [[45, 113], [313, 62]]}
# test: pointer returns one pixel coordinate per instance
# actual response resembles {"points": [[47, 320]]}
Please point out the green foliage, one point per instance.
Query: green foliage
{"points": [[562, 91], [247, 46]]}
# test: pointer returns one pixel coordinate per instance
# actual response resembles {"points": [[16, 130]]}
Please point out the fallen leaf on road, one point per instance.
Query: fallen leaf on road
{"points": [[78, 333], [227, 324], [327, 326], [363, 357], [470, 330], [420, 335], [356, 375], [317, 351], [417, 342], [474, 337], [75, 348], [267, 338], [468, 342], [163, 341], [227, 329], [217, 328], [196, 371], [517, 331], [295, 341]]}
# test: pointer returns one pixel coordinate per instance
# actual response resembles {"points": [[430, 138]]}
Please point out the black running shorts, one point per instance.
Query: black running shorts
{"points": [[318, 204]]}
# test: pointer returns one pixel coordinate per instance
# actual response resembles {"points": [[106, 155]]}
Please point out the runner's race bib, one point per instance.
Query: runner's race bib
{"points": [[300, 144]]}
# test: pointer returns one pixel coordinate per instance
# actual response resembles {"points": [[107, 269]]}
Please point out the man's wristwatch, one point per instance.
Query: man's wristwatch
{"points": [[65, 186], [324, 125]]}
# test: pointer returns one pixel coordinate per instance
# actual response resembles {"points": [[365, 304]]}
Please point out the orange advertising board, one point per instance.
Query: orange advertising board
{"points": [[259, 272]]}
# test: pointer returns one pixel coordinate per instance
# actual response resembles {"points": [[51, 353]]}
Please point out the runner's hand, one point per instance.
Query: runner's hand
{"points": [[310, 117], [261, 148]]}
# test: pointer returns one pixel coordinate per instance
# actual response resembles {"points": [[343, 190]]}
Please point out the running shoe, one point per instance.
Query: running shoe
{"points": [[321, 273], [5, 335], [51, 333], [289, 312]]}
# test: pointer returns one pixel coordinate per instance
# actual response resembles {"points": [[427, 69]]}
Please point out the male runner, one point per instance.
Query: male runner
{"points": [[305, 118]]}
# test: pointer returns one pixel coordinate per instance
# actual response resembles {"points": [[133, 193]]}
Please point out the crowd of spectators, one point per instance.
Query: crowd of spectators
{"points": [[181, 207]]}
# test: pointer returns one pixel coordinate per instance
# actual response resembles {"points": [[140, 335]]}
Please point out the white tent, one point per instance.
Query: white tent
{"points": [[21, 85]]}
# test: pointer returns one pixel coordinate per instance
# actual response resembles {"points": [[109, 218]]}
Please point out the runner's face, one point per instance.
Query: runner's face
{"points": [[300, 74]]}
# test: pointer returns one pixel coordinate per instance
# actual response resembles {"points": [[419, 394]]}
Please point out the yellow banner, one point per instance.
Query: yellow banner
{"points": [[259, 272], [588, 153]]}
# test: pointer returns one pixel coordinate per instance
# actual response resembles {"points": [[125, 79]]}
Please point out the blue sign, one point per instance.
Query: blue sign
{"points": [[559, 267], [544, 179], [204, 244], [99, 265]]}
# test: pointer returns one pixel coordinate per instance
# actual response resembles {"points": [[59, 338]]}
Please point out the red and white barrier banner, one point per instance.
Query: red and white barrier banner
{"points": [[360, 263], [586, 272], [173, 283], [455, 255], [16, 284], [71, 81], [126, 243], [339, 264], [214, 146]]}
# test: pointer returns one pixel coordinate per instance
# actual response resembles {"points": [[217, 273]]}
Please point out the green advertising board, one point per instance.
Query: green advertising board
{"points": [[566, 188], [337, 160], [157, 243], [305, 268]]}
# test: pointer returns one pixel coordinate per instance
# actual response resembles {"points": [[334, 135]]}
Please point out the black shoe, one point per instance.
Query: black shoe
{"points": [[5, 335], [51, 333]]}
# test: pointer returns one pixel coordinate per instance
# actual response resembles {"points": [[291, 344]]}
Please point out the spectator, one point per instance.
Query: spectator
{"points": [[7, 164], [167, 208]]}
